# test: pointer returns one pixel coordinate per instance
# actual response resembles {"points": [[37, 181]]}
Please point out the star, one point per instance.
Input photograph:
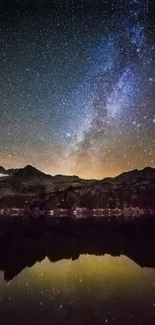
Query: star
{"points": [[77, 87]]}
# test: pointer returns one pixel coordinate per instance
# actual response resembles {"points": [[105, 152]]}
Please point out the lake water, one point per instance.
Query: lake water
{"points": [[88, 290]]}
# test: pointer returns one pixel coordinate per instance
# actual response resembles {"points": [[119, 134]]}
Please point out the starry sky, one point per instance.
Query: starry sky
{"points": [[77, 86]]}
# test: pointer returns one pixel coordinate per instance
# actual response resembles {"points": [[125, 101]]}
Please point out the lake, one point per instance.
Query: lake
{"points": [[88, 290]]}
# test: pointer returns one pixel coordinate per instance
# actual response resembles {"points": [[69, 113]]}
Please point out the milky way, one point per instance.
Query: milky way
{"points": [[77, 86]]}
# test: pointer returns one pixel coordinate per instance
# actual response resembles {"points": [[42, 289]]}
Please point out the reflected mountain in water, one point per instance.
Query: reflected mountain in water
{"points": [[17, 254]]}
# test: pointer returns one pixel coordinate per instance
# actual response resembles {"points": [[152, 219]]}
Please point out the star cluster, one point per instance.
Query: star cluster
{"points": [[77, 86]]}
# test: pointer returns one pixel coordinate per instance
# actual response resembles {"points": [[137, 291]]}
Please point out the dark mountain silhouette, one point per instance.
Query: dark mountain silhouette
{"points": [[2, 170], [146, 173], [28, 171], [67, 178], [11, 171], [130, 189]]}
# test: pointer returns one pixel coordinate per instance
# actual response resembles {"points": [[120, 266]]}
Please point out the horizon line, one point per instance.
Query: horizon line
{"points": [[74, 175]]}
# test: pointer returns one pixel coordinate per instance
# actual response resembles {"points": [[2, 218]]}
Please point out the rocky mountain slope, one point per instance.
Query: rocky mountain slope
{"points": [[131, 189]]}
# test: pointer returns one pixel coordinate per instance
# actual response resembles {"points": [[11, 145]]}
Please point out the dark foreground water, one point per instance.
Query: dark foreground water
{"points": [[84, 289]]}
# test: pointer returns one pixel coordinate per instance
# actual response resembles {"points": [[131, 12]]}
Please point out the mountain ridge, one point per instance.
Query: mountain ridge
{"points": [[29, 186], [29, 170]]}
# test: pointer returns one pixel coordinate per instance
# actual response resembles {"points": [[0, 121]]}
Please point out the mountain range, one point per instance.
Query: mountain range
{"points": [[30, 171], [135, 188]]}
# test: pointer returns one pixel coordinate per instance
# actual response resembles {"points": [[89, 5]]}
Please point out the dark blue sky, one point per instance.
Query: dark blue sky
{"points": [[77, 86]]}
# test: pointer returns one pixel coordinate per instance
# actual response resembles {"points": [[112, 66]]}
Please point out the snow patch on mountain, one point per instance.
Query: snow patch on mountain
{"points": [[3, 175]]}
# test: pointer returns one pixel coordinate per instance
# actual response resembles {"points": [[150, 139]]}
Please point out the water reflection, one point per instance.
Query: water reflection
{"points": [[18, 253], [69, 286]]}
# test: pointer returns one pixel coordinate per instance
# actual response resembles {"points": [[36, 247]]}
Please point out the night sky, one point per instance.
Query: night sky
{"points": [[77, 86]]}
